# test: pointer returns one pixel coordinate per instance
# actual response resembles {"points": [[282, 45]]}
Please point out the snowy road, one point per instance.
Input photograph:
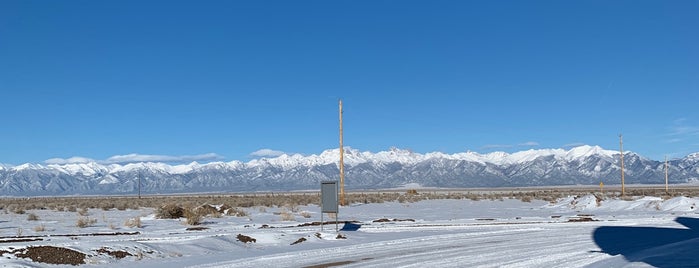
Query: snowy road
{"points": [[546, 244]]}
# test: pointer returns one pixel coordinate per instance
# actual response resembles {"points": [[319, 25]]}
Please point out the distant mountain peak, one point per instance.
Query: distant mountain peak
{"points": [[364, 170]]}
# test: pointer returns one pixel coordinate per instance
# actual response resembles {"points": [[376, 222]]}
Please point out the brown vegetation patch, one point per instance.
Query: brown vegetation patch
{"points": [[394, 220], [485, 219], [301, 240], [21, 204], [119, 254], [317, 223], [581, 219], [246, 239], [330, 264], [340, 236], [51, 255], [170, 211], [555, 216], [197, 228], [206, 210]]}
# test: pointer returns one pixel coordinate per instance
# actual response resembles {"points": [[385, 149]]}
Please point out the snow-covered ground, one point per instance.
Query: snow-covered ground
{"points": [[573, 232]]}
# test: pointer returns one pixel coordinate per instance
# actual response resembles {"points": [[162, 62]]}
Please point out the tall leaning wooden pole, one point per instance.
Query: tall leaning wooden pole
{"points": [[342, 163], [621, 149]]}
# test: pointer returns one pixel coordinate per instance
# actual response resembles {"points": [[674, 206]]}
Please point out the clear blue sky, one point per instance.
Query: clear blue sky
{"points": [[98, 79]]}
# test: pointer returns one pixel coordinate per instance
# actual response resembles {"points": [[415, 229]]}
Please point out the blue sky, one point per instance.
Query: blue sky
{"points": [[120, 81]]}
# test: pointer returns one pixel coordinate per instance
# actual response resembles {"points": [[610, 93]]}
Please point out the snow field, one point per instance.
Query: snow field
{"points": [[439, 233]]}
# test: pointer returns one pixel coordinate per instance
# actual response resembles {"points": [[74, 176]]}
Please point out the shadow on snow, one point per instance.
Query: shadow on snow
{"points": [[659, 247]]}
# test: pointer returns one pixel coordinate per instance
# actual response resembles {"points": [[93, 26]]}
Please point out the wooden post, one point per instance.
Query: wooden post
{"points": [[342, 163], [621, 149]]}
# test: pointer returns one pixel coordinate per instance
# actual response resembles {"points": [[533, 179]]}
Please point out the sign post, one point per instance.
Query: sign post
{"points": [[328, 201]]}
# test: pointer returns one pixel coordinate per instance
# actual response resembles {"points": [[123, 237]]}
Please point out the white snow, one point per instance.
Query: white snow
{"points": [[433, 233], [352, 157]]}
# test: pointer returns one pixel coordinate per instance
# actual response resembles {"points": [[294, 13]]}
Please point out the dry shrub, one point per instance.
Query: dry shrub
{"points": [[32, 217], [19, 210], [205, 210], [133, 223], [292, 207], [85, 222], [83, 212], [170, 211], [193, 217], [238, 212], [287, 216], [106, 206], [39, 228], [224, 208], [305, 214], [123, 205]]}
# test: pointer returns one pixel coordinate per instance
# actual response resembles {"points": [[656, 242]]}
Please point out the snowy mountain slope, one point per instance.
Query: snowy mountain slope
{"points": [[364, 170]]}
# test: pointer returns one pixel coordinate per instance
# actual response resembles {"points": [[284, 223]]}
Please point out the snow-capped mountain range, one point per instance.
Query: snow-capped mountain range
{"points": [[587, 165]]}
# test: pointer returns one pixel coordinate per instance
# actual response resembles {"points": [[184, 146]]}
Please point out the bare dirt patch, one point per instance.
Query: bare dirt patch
{"points": [[197, 228], [246, 239], [581, 219], [300, 240], [393, 220], [119, 254], [49, 254]]}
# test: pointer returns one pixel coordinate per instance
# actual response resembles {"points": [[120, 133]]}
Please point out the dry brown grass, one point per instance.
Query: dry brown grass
{"points": [[32, 217], [85, 222], [287, 215], [133, 223], [292, 201], [84, 212], [193, 217], [170, 211], [39, 228], [237, 212]]}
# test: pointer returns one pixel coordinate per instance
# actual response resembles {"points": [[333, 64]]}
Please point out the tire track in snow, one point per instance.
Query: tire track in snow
{"points": [[536, 245], [383, 252]]}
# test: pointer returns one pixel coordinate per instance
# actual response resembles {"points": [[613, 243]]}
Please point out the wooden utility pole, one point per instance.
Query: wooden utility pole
{"points": [[621, 149], [666, 188], [342, 163]]}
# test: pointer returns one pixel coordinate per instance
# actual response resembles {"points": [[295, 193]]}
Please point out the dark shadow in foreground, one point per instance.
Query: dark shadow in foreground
{"points": [[659, 247]]}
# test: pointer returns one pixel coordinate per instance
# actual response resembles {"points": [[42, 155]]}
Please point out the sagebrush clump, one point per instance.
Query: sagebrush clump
{"points": [[170, 211]]}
